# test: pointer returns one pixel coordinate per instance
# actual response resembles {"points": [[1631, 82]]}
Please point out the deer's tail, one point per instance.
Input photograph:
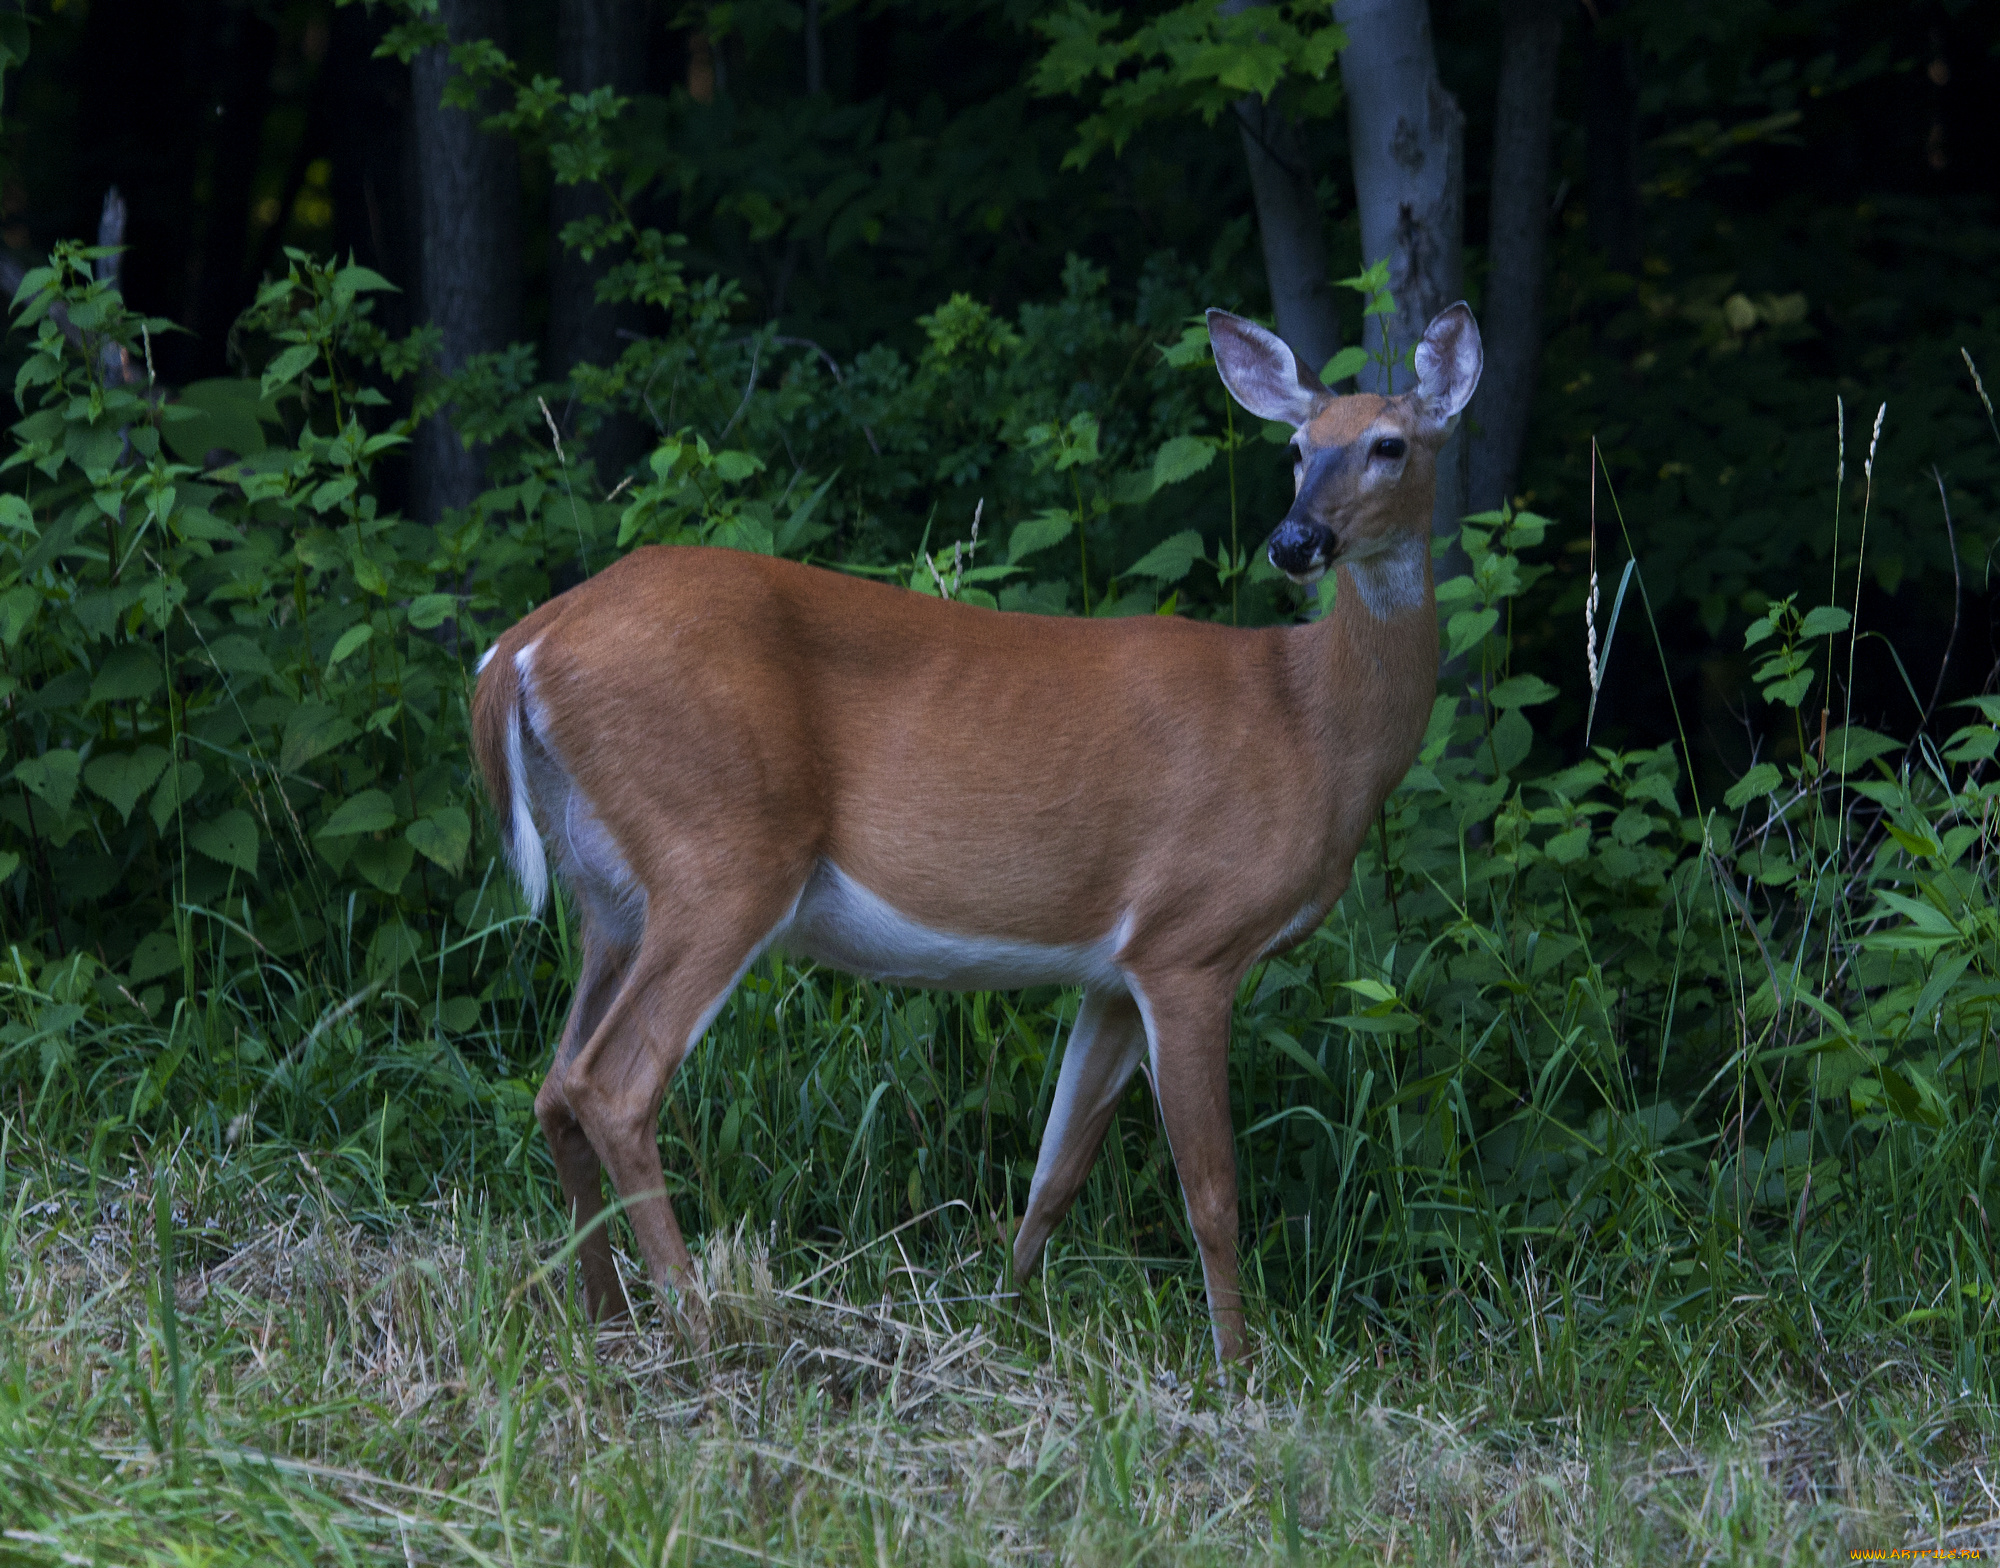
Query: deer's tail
{"points": [[499, 718]]}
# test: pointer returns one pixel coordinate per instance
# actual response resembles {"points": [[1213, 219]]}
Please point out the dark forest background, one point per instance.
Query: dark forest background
{"points": [[1748, 212]]}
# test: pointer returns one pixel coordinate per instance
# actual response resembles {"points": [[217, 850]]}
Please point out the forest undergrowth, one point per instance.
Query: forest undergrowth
{"points": [[1617, 1163]]}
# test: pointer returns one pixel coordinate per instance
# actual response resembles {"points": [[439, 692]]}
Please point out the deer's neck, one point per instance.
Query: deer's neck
{"points": [[1375, 658]]}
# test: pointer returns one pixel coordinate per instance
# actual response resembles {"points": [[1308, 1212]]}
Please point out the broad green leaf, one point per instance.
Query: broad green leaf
{"points": [[432, 609], [157, 954], [16, 515], [348, 641], [368, 812], [443, 836], [312, 729], [9, 864], [734, 466], [230, 838], [238, 655], [1350, 361], [222, 414], [52, 776], [1790, 692], [1760, 780], [384, 862], [1825, 621], [1038, 533], [1849, 747], [331, 493], [1468, 628], [177, 788], [1570, 846], [286, 367], [1170, 560], [128, 674], [18, 609], [121, 777], [1182, 458], [1927, 918], [1521, 691]]}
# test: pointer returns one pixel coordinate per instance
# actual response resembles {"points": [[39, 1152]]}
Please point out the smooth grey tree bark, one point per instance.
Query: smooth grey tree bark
{"points": [[469, 211], [1289, 225], [1517, 247], [599, 43], [1408, 140]]}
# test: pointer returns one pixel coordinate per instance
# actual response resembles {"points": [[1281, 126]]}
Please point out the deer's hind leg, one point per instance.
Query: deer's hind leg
{"points": [[614, 1084], [605, 962]]}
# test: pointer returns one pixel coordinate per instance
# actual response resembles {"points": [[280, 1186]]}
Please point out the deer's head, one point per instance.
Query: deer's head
{"points": [[1364, 468]]}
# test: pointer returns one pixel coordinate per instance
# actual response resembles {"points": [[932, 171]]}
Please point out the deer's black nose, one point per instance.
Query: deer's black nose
{"points": [[1301, 548]]}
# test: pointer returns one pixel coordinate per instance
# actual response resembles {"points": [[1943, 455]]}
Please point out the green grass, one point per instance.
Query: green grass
{"points": [[299, 1386]]}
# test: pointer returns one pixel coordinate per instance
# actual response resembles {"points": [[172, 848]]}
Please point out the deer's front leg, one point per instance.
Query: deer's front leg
{"points": [[1187, 1025], [1104, 1047]]}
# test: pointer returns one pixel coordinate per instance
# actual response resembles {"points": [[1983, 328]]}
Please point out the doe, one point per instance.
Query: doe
{"points": [[728, 753]]}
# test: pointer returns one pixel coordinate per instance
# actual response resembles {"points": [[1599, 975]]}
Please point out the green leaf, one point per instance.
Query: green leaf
{"points": [[1038, 533], [1182, 458], [52, 776], [312, 729], [1468, 628], [384, 862], [158, 953], [733, 466], [1569, 846], [1170, 560], [286, 367], [9, 864], [238, 655], [348, 641], [432, 609], [1848, 748], [1760, 780], [121, 777], [443, 836], [1350, 361], [16, 515], [230, 838], [1825, 621], [368, 812], [1927, 918], [1521, 691], [223, 413], [180, 786], [128, 674], [1790, 692]]}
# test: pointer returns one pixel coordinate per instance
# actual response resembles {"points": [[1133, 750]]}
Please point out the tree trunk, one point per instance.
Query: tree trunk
{"points": [[1289, 225], [243, 101], [1517, 246], [1611, 141], [599, 43], [469, 201], [1408, 139]]}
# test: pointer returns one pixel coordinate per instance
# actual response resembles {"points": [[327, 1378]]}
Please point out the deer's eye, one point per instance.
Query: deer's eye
{"points": [[1390, 447]]}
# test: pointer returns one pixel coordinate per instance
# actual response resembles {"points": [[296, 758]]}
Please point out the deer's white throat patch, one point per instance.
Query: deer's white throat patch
{"points": [[1391, 576]]}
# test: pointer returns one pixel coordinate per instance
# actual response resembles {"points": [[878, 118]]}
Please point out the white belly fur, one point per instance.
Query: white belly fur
{"points": [[840, 923]]}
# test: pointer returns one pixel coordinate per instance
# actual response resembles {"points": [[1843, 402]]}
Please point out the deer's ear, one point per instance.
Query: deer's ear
{"points": [[1261, 372], [1449, 360]]}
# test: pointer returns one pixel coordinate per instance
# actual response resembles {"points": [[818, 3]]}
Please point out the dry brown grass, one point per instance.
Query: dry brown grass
{"points": [[429, 1394]]}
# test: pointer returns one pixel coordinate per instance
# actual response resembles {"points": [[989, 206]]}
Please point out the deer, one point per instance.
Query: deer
{"points": [[725, 753]]}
